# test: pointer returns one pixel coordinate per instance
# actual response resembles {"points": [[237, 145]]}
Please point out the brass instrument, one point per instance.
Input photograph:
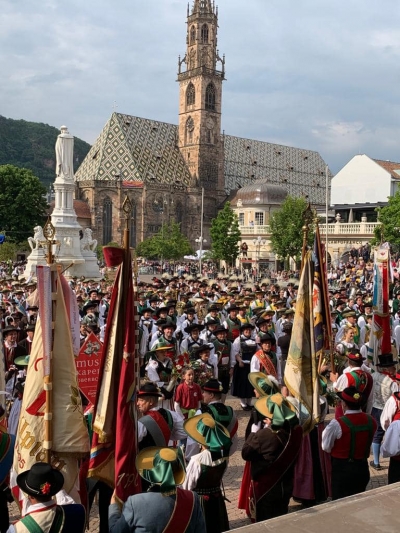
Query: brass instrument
{"points": [[200, 308]]}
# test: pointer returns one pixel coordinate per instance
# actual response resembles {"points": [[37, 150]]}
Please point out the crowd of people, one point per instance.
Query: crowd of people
{"points": [[201, 339]]}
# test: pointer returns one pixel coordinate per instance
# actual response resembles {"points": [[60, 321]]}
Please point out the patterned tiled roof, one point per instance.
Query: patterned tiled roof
{"points": [[391, 167], [301, 172], [139, 149]]}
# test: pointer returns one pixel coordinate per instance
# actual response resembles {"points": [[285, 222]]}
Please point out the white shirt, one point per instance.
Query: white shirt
{"points": [[193, 470], [391, 444], [388, 413], [333, 431]]}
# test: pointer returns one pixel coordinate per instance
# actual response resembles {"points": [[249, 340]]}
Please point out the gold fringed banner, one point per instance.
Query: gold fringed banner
{"points": [[301, 372]]}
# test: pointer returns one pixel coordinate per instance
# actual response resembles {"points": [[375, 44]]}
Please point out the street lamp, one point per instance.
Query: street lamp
{"points": [[258, 243], [200, 240]]}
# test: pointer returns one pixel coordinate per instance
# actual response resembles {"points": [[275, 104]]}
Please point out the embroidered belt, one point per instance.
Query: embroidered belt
{"points": [[207, 491]]}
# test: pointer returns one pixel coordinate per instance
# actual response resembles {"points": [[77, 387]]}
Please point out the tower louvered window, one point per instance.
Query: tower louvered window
{"points": [[204, 34], [192, 35], [210, 97], [190, 95]]}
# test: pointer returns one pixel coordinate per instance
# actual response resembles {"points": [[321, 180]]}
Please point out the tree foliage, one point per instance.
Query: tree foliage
{"points": [[31, 145], [22, 203], [286, 228], [389, 228], [169, 244], [225, 235], [8, 251]]}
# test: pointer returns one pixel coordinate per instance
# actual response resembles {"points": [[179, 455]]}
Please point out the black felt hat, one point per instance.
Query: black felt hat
{"points": [[41, 480]]}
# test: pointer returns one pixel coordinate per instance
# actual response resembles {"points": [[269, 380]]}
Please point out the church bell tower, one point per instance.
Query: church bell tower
{"points": [[200, 95]]}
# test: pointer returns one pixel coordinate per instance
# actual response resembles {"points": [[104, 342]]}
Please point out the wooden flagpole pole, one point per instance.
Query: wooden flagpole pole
{"points": [[49, 233]]}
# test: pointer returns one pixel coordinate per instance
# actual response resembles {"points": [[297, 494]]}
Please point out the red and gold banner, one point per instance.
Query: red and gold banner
{"points": [[88, 366], [114, 441]]}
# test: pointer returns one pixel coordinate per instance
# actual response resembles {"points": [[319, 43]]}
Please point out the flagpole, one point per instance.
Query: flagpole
{"points": [[49, 234]]}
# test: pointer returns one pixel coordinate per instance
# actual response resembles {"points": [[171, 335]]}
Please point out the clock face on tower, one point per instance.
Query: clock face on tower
{"points": [[210, 123]]}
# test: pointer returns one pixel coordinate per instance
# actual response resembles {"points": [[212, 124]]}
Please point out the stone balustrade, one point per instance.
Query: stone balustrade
{"points": [[339, 228]]}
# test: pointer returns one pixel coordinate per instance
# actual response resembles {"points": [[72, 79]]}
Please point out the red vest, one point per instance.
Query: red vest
{"points": [[361, 380], [357, 432], [396, 397]]}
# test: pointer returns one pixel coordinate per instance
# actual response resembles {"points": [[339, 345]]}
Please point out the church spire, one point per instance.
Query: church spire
{"points": [[202, 6]]}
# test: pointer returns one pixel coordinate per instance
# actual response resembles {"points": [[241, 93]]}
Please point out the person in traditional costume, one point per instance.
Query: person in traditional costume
{"points": [[350, 319], [7, 443], [192, 339], [349, 440], [207, 334], [205, 470], [357, 375], [205, 367], [166, 507], [272, 451], [385, 385], [188, 394], [243, 349], [390, 422], [263, 386], [346, 345], [11, 348], [167, 339], [26, 343], [41, 483], [232, 323], [223, 349], [159, 371], [223, 414], [213, 313], [265, 325], [265, 360], [158, 425]]}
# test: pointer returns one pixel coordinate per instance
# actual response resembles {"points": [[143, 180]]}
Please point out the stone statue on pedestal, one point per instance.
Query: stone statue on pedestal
{"points": [[65, 154]]}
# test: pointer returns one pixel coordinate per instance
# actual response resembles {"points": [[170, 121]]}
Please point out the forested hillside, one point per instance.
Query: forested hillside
{"points": [[31, 145]]}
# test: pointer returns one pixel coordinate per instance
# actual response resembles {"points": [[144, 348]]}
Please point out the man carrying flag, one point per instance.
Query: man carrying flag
{"points": [[114, 442], [310, 337]]}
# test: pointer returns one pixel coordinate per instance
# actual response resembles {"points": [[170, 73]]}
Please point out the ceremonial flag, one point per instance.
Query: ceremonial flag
{"points": [[2, 374], [380, 338], [321, 309], [70, 440], [114, 443], [301, 371]]}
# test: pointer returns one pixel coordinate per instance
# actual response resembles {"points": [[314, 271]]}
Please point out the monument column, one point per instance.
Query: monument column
{"points": [[75, 250]]}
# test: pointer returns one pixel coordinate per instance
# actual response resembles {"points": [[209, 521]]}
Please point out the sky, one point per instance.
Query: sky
{"points": [[312, 74]]}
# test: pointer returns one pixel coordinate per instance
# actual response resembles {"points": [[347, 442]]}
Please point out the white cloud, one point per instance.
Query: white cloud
{"points": [[313, 74]]}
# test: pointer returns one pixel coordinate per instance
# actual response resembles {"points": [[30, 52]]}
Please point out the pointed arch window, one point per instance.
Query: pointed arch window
{"points": [[210, 97], [107, 220], [204, 34], [189, 130], [179, 212], [190, 95], [192, 35]]}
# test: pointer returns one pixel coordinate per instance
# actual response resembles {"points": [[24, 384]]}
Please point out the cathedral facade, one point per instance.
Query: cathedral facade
{"points": [[166, 169]]}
